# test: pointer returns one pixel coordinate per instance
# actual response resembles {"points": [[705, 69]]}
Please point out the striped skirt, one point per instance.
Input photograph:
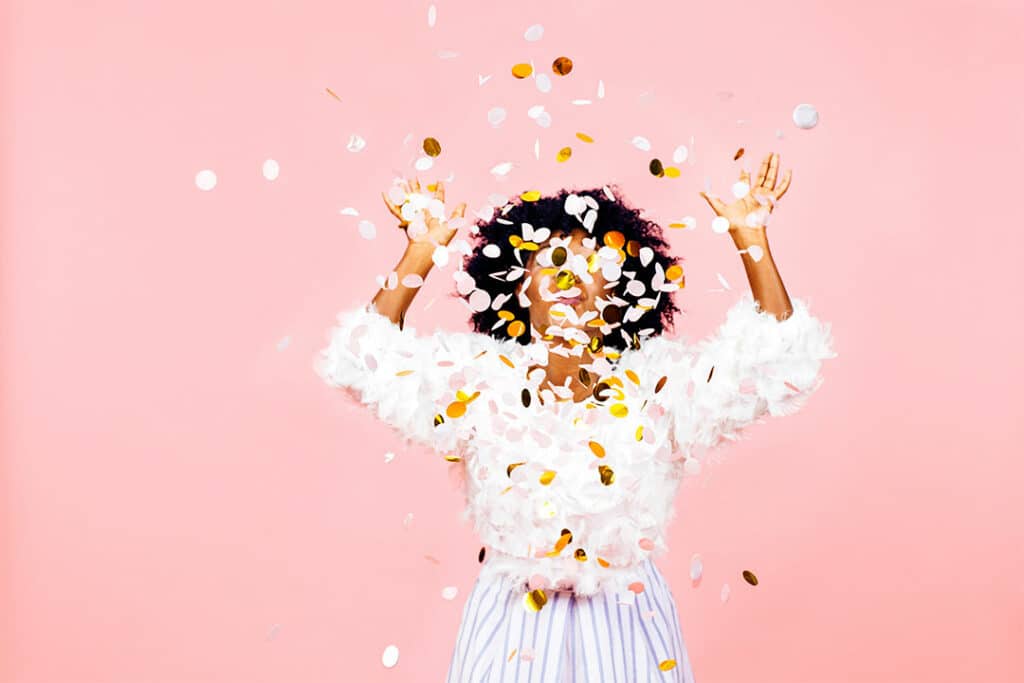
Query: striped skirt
{"points": [[603, 638]]}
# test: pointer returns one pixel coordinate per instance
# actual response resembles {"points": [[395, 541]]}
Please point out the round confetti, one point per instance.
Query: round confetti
{"points": [[667, 665], [543, 82], [679, 156], [749, 577], [725, 593], [740, 189], [432, 16], [564, 154], [424, 164], [522, 70], [534, 33], [432, 147], [805, 116], [720, 224], [492, 251], [496, 116], [390, 656], [206, 180], [356, 143], [516, 328], [271, 169], [535, 600], [562, 66], [367, 230], [696, 567], [642, 143], [584, 137], [656, 168], [449, 592]]}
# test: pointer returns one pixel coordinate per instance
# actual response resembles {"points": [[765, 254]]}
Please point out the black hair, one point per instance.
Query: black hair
{"points": [[550, 212]]}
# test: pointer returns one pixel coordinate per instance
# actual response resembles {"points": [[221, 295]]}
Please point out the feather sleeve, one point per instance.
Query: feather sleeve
{"points": [[753, 365], [401, 376]]}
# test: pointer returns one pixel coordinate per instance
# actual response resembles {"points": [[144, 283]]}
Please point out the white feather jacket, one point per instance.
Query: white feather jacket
{"points": [[577, 493]]}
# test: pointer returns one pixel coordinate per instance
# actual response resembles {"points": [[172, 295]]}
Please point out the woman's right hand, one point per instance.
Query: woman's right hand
{"points": [[436, 232]]}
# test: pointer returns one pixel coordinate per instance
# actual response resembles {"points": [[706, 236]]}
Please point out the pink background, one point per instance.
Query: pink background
{"points": [[182, 499]]}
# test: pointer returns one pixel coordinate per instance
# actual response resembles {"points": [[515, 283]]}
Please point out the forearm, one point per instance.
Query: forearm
{"points": [[393, 303], [765, 281]]}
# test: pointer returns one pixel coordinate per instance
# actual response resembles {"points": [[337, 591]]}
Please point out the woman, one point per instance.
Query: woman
{"points": [[573, 418]]}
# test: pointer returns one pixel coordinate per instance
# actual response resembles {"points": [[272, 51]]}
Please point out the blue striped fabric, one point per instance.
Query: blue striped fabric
{"points": [[603, 638]]}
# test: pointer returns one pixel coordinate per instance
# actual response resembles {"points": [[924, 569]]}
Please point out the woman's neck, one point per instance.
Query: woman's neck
{"points": [[560, 367]]}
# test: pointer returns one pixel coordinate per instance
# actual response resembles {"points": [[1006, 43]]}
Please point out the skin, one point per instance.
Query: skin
{"points": [[765, 282]]}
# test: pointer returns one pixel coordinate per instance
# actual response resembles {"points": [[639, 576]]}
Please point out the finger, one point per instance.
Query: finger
{"points": [[391, 206], [460, 211], [784, 185], [773, 172], [715, 203], [440, 190], [745, 176], [763, 173], [416, 184]]}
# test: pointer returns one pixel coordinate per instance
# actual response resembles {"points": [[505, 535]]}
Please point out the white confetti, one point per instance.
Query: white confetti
{"points": [[440, 256], [778, 133], [449, 592], [725, 592], [424, 163], [720, 225], [412, 280], [740, 189], [755, 251], [492, 251], [356, 143], [679, 156], [721, 279], [502, 169], [271, 169], [535, 111], [367, 230], [432, 16], [206, 180], [390, 656], [479, 300], [805, 116], [696, 567], [481, 79], [544, 120], [600, 90], [274, 630], [496, 116], [642, 143], [534, 33], [389, 456], [536, 148], [283, 344], [407, 521], [349, 211], [581, 102], [543, 82], [447, 54]]}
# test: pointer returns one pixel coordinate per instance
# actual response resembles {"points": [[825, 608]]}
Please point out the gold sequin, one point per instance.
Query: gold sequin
{"points": [[596, 343], [535, 600], [603, 562], [547, 477], [562, 66], [619, 410], [656, 168], [584, 137], [522, 70], [506, 361], [597, 448], [516, 328], [607, 475], [633, 248], [738, 154], [640, 433], [633, 377], [565, 280], [513, 466], [438, 419], [403, 373], [614, 239], [530, 195], [660, 385], [558, 256], [432, 147], [564, 154], [584, 377], [580, 554], [671, 171], [749, 577], [667, 665], [506, 315], [526, 398], [483, 551], [456, 409]]}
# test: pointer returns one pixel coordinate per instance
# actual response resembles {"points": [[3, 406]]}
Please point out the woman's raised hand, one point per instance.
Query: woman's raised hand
{"points": [[421, 214], [750, 212]]}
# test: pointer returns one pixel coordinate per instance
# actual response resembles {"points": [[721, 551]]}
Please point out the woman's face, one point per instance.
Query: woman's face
{"points": [[563, 283]]}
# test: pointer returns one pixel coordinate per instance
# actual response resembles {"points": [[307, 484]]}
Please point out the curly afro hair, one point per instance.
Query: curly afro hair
{"points": [[613, 215]]}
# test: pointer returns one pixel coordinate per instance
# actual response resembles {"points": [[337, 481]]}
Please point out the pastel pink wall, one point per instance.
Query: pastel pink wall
{"points": [[182, 499]]}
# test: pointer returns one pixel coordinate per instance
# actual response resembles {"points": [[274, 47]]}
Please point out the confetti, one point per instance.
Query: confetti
{"points": [[600, 90], [543, 82], [738, 154], [432, 147], [367, 230], [562, 66], [522, 70], [805, 116], [283, 344], [564, 154], [432, 16], [496, 116], [720, 224], [696, 567], [206, 180], [725, 593], [389, 456], [449, 592], [534, 33], [642, 143], [390, 656], [667, 665], [332, 94], [271, 169], [680, 154], [749, 577], [656, 168]]}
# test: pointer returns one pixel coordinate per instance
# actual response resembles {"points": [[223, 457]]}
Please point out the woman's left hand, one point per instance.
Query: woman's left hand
{"points": [[750, 212]]}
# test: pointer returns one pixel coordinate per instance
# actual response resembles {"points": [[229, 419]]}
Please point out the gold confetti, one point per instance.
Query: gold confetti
{"points": [[513, 654], [596, 344], [672, 171], [673, 272], [580, 554], [506, 315], [597, 448], [456, 409], [403, 373], [562, 66], [603, 562], [656, 168], [506, 361], [749, 577], [584, 137], [710, 374], [522, 70], [563, 540], [466, 398], [535, 600], [601, 390], [483, 551], [633, 377], [513, 466], [564, 153], [667, 665], [660, 385], [738, 154], [619, 410], [432, 147], [438, 419], [614, 239], [530, 195], [607, 475], [516, 328], [547, 477], [633, 248], [565, 280], [640, 433], [331, 93], [526, 398], [558, 256], [452, 458], [584, 377]]}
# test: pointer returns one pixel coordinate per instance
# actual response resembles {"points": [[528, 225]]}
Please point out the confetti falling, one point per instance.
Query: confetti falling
{"points": [[206, 180], [805, 116], [389, 658]]}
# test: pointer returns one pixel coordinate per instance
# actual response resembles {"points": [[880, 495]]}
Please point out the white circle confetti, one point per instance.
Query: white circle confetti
{"points": [[367, 230], [696, 567], [740, 189], [390, 656], [679, 156], [449, 592], [805, 116], [206, 180], [543, 83], [534, 33], [642, 143], [356, 143], [424, 163], [720, 224], [496, 116], [271, 169]]}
